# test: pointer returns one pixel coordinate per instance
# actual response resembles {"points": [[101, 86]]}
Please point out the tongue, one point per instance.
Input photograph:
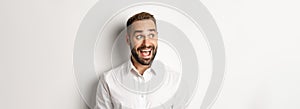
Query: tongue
{"points": [[145, 53]]}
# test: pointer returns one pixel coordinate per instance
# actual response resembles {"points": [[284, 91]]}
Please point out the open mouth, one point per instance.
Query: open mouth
{"points": [[146, 53]]}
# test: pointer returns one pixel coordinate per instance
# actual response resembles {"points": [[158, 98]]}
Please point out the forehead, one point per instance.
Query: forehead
{"points": [[143, 24]]}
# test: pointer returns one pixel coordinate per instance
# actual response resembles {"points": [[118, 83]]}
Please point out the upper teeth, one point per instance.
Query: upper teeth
{"points": [[146, 50]]}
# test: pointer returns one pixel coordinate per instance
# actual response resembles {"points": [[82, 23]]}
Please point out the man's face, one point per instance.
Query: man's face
{"points": [[142, 39]]}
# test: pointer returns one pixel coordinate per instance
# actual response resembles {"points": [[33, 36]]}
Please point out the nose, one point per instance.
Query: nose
{"points": [[146, 41]]}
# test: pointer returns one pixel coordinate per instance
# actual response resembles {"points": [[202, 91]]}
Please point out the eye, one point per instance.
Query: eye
{"points": [[151, 35], [139, 37]]}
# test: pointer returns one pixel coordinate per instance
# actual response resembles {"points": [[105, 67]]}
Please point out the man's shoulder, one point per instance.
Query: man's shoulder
{"points": [[108, 74], [160, 66]]}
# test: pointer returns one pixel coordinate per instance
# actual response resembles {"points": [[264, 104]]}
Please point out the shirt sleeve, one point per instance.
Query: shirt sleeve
{"points": [[103, 99]]}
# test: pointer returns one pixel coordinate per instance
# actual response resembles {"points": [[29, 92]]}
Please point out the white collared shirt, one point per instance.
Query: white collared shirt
{"points": [[124, 88]]}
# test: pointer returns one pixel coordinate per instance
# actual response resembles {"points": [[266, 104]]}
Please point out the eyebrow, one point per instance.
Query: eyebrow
{"points": [[137, 31], [151, 30], [140, 31]]}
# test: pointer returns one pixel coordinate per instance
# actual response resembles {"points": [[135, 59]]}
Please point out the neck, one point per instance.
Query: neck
{"points": [[141, 68]]}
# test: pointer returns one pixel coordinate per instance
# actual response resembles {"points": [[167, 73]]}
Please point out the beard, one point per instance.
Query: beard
{"points": [[141, 60]]}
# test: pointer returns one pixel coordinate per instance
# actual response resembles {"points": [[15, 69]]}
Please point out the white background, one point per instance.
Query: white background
{"points": [[260, 36]]}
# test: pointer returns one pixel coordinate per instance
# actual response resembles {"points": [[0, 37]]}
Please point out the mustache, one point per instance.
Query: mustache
{"points": [[144, 47]]}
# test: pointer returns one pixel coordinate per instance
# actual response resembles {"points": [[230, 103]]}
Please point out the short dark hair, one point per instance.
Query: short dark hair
{"points": [[140, 16]]}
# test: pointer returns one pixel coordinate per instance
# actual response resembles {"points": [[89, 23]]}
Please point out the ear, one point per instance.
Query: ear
{"points": [[127, 39]]}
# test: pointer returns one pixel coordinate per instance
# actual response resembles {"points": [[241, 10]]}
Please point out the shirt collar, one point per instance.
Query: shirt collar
{"points": [[131, 67]]}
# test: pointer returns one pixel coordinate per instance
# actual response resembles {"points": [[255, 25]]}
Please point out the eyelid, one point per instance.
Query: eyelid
{"points": [[137, 36]]}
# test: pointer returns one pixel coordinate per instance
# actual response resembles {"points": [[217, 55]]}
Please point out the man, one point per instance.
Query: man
{"points": [[139, 83]]}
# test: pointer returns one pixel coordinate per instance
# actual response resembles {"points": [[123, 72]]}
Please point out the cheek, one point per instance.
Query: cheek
{"points": [[135, 43], [155, 43]]}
